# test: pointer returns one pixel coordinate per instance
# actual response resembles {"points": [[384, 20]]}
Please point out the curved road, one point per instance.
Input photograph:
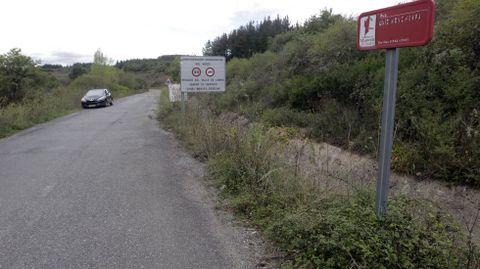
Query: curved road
{"points": [[106, 188]]}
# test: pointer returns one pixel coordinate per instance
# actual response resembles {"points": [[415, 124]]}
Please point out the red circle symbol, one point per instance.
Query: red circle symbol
{"points": [[210, 71], [196, 72]]}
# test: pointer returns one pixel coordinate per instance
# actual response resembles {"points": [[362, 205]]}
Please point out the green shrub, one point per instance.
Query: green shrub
{"points": [[316, 69], [248, 161], [314, 81], [344, 232], [318, 228], [36, 109], [284, 116]]}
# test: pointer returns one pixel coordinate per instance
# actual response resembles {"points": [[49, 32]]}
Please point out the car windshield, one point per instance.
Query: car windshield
{"points": [[95, 93]]}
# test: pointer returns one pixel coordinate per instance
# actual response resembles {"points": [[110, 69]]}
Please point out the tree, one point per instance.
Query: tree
{"points": [[174, 69], [208, 49], [248, 39], [100, 58], [317, 24], [16, 74], [78, 70]]}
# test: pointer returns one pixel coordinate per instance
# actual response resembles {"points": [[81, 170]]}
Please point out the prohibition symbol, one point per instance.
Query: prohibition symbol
{"points": [[196, 72], [210, 71]]}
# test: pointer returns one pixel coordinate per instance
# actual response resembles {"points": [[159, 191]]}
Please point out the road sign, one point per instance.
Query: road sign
{"points": [[202, 74], [210, 71], [174, 93], [405, 25], [196, 72]]}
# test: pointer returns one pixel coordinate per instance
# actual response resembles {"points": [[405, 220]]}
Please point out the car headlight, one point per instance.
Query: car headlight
{"points": [[83, 99], [101, 98]]}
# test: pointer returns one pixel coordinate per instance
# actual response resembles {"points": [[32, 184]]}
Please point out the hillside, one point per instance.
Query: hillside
{"points": [[313, 77], [267, 142], [155, 72]]}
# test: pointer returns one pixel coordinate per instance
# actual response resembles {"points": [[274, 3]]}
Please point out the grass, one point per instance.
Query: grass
{"points": [[44, 107], [314, 226]]}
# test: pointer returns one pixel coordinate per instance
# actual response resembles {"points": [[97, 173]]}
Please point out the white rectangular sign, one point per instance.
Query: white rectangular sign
{"points": [[174, 93], [202, 74]]}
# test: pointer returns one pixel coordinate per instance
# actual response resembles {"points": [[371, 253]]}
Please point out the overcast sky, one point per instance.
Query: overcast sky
{"points": [[64, 32]]}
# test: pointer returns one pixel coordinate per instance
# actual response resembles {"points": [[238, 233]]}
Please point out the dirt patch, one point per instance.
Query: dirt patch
{"points": [[337, 170], [231, 119]]}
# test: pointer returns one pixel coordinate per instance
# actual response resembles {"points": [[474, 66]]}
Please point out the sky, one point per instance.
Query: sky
{"points": [[67, 31]]}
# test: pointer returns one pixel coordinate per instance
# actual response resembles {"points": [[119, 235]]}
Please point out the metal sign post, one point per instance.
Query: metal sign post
{"points": [[386, 138], [404, 25]]}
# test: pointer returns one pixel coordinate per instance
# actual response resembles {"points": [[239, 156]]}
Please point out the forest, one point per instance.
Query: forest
{"points": [[247, 40]]}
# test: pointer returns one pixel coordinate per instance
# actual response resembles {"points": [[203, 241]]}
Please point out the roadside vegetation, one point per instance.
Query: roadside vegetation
{"points": [[155, 72], [32, 94], [313, 77], [311, 84], [322, 222]]}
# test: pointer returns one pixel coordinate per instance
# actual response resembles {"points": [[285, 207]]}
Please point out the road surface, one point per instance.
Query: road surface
{"points": [[106, 188]]}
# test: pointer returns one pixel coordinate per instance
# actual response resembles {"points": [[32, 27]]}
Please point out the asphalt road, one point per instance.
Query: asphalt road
{"points": [[106, 188]]}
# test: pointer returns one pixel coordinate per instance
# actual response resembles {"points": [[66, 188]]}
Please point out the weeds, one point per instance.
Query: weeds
{"points": [[314, 224]]}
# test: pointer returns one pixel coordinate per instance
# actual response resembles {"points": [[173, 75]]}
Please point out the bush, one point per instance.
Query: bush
{"points": [[315, 227], [36, 109], [284, 116], [316, 70], [344, 232]]}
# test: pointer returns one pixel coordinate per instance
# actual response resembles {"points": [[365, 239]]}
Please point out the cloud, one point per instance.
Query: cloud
{"points": [[257, 13], [61, 57]]}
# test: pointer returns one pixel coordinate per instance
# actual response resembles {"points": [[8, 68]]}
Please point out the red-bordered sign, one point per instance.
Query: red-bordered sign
{"points": [[196, 72], [405, 25], [210, 71]]}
